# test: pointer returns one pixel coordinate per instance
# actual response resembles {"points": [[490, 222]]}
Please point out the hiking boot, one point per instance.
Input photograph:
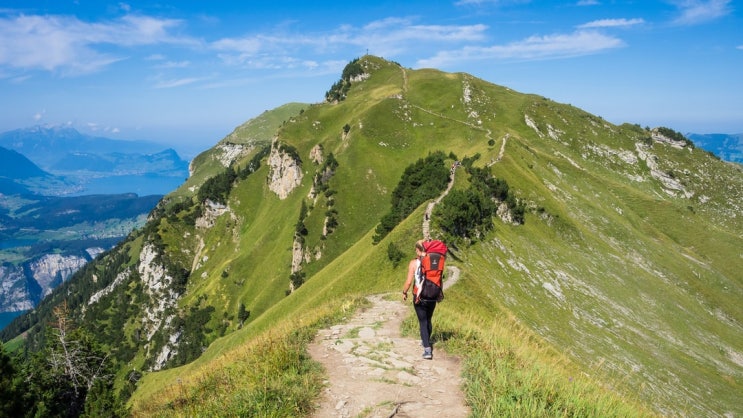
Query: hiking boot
{"points": [[427, 353]]}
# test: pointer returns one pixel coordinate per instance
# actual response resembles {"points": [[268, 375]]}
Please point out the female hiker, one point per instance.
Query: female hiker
{"points": [[423, 308]]}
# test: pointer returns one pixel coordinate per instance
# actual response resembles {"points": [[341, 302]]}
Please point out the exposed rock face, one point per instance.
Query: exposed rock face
{"points": [[316, 154], [230, 152], [671, 186], [211, 213], [505, 214], [659, 137], [52, 269], [530, 123], [162, 299], [297, 255], [22, 287], [285, 172], [120, 278], [14, 292], [360, 77]]}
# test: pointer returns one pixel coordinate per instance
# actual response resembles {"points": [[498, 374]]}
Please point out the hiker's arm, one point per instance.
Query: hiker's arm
{"points": [[409, 279]]}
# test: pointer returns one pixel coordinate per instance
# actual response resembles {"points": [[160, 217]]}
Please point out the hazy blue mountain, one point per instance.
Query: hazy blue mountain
{"points": [[8, 186], [728, 147], [46, 145], [16, 166], [20, 176], [97, 165]]}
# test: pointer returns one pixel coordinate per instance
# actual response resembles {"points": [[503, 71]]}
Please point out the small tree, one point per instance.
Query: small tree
{"points": [[71, 376], [465, 213], [242, 314], [297, 279], [394, 254], [73, 355]]}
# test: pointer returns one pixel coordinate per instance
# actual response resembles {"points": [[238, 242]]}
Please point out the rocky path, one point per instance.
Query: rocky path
{"points": [[429, 209], [375, 372]]}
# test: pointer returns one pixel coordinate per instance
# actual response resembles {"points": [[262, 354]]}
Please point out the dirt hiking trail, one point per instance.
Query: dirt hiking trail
{"points": [[375, 372]]}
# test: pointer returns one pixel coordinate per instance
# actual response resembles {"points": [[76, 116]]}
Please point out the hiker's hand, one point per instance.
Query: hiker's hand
{"points": [[404, 296]]}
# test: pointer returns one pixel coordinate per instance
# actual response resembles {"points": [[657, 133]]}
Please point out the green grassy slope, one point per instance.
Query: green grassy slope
{"points": [[618, 296], [628, 262]]}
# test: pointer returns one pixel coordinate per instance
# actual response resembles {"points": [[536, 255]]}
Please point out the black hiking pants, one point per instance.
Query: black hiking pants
{"points": [[424, 310]]}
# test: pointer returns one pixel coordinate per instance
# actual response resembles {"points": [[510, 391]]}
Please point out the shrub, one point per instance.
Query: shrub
{"points": [[423, 180], [394, 254], [676, 136], [217, 188], [468, 213], [465, 213], [340, 88]]}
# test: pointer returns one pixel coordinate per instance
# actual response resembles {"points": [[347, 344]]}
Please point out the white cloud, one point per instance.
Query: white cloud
{"points": [[173, 64], [71, 46], [166, 84], [612, 23], [699, 11], [141, 30], [384, 37], [96, 127], [556, 46], [248, 45]]}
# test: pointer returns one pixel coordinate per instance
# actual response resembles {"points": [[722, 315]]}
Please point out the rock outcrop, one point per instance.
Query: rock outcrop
{"points": [[52, 269], [285, 171], [14, 290], [162, 301], [23, 286]]}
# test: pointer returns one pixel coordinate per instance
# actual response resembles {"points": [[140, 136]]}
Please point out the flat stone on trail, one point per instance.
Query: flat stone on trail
{"points": [[367, 333]]}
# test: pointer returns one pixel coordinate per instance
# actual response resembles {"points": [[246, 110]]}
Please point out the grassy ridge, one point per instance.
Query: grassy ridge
{"points": [[617, 297], [510, 371]]}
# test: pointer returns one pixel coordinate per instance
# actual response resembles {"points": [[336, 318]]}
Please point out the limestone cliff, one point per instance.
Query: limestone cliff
{"points": [[14, 290], [162, 301], [23, 286], [52, 269], [285, 170]]}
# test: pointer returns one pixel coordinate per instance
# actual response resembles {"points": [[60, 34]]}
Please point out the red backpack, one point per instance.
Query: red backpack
{"points": [[429, 282]]}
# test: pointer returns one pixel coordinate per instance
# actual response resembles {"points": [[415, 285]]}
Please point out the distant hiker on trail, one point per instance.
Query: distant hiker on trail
{"points": [[425, 275]]}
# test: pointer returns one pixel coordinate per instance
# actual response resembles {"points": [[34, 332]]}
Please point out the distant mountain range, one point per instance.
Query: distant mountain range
{"points": [[726, 146], [46, 145], [84, 164]]}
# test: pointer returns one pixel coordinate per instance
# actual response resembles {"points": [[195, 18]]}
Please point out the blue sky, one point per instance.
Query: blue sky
{"points": [[188, 72]]}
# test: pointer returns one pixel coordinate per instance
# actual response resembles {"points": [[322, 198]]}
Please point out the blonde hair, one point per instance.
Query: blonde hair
{"points": [[419, 246]]}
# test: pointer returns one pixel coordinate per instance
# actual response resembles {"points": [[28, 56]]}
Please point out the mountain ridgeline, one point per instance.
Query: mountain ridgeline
{"points": [[600, 273]]}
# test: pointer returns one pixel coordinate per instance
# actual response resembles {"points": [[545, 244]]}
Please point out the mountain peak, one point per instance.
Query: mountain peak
{"points": [[627, 260]]}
